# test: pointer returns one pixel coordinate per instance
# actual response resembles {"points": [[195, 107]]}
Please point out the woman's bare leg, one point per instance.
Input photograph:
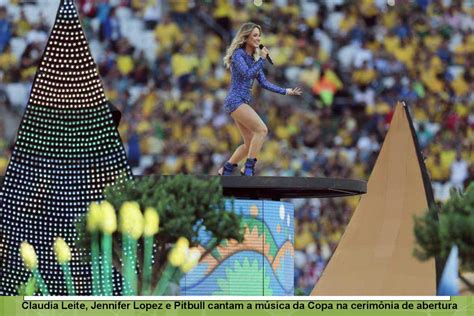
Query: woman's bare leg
{"points": [[247, 117], [242, 151]]}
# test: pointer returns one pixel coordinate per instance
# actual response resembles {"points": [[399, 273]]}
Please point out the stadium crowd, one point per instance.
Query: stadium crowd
{"points": [[161, 65]]}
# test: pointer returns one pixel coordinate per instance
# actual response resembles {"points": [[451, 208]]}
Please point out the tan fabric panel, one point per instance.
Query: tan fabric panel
{"points": [[375, 254]]}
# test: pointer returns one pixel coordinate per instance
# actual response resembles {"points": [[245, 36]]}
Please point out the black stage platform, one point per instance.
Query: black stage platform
{"points": [[277, 188]]}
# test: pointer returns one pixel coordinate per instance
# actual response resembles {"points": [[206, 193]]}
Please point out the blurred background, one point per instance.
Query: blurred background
{"points": [[161, 65]]}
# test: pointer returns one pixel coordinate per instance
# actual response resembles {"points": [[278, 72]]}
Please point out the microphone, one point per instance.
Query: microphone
{"points": [[268, 55]]}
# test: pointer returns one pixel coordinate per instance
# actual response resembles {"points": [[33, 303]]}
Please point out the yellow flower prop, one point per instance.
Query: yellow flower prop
{"points": [[63, 256], [124, 214], [192, 259], [30, 260], [177, 255], [182, 243], [28, 255], [63, 253], [108, 225], [108, 218], [93, 217], [180, 257], [131, 219], [151, 227], [152, 222]]}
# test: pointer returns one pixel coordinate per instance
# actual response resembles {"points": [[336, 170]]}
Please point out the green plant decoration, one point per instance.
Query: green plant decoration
{"points": [[185, 206], [438, 230]]}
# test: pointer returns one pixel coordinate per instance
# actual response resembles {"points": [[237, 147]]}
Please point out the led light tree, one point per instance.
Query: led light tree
{"points": [[67, 150]]}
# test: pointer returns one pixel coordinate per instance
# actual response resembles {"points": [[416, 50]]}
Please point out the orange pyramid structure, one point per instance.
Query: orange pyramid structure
{"points": [[375, 254]]}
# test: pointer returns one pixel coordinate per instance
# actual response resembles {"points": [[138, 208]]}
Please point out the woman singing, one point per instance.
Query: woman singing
{"points": [[245, 67]]}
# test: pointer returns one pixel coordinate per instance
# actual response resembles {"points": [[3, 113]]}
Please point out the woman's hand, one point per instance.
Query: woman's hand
{"points": [[294, 91], [264, 52]]}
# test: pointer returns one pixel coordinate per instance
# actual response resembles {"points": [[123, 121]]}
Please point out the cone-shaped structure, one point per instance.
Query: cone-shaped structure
{"points": [[67, 150], [375, 254]]}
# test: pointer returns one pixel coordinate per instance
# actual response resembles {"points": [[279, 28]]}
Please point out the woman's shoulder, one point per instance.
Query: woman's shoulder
{"points": [[238, 51]]}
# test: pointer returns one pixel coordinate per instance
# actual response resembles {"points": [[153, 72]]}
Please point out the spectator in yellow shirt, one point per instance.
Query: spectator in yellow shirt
{"points": [[222, 14], [437, 171], [365, 75], [167, 33], [180, 12]]}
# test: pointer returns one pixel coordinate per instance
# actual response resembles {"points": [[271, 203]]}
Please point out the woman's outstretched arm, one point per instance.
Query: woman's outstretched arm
{"points": [[268, 85]]}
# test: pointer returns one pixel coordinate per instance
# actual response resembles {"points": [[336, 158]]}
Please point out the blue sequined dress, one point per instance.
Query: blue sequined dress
{"points": [[244, 70]]}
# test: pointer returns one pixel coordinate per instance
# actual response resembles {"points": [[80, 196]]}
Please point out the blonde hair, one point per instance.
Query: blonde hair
{"points": [[239, 41]]}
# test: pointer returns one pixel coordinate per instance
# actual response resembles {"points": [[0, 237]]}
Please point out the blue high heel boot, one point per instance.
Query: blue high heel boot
{"points": [[227, 169], [249, 167]]}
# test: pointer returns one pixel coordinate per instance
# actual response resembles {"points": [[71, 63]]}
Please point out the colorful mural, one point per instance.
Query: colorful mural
{"points": [[262, 265]]}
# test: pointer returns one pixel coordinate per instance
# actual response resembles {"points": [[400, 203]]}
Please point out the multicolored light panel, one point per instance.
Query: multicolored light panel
{"points": [[67, 150]]}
